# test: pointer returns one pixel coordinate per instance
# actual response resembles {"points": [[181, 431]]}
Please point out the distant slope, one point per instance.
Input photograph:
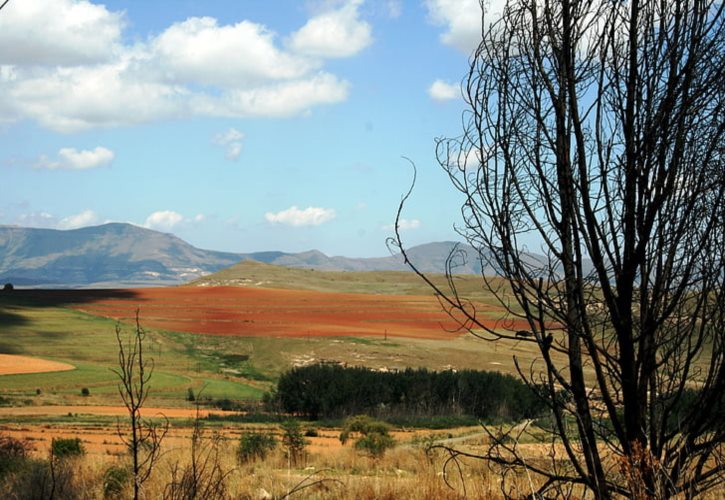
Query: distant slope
{"points": [[249, 273], [124, 255], [108, 255], [429, 258]]}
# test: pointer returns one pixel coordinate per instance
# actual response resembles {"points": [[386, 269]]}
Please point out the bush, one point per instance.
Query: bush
{"points": [[293, 441], [67, 447], [255, 445], [45, 479], [375, 444], [190, 395], [13, 452], [115, 480], [85, 392], [374, 438], [8, 287]]}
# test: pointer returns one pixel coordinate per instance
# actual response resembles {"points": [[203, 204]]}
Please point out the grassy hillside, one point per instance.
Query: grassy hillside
{"points": [[61, 334], [239, 368], [256, 274]]}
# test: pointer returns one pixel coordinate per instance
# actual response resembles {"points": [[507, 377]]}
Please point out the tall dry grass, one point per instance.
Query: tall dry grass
{"points": [[332, 472]]}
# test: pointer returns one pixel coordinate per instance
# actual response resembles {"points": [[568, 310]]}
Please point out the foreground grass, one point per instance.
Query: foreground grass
{"points": [[332, 471], [404, 472]]}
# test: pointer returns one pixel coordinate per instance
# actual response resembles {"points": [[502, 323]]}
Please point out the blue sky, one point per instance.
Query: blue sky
{"points": [[237, 125]]}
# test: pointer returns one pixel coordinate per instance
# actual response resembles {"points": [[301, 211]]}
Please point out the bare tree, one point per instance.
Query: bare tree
{"points": [[591, 166], [134, 373]]}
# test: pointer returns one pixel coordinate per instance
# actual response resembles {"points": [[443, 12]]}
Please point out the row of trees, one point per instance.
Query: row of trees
{"points": [[332, 391]]}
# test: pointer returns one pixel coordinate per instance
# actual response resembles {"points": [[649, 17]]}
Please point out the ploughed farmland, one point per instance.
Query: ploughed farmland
{"points": [[252, 312]]}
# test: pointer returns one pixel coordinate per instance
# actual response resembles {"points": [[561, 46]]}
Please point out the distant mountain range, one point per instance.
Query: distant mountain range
{"points": [[124, 255]]}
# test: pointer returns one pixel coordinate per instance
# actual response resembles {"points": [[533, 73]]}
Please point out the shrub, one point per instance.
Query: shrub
{"points": [[255, 445], [13, 452], [85, 392], [8, 287], [67, 447], [293, 440], [374, 435], [190, 395], [375, 444], [115, 480]]}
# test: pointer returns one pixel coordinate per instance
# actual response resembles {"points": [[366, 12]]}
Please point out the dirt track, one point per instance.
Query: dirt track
{"points": [[11, 364]]}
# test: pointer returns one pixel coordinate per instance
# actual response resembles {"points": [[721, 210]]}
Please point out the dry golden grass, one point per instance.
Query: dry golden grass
{"points": [[333, 471]]}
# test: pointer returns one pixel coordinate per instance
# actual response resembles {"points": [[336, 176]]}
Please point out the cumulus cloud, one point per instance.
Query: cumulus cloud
{"points": [[163, 220], [461, 19], [83, 219], [47, 220], [65, 65], [231, 140], [200, 50], [73, 159], [293, 216], [166, 220], [404, 225], [58, 32], [444, 91], [335, 33]]}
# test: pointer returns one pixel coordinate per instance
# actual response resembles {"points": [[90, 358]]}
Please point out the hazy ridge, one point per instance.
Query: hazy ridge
{"points": [[118, 254]]}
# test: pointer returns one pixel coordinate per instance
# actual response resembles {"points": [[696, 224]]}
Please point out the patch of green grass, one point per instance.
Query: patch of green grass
{"points": [[89, 343], [257, 274]]}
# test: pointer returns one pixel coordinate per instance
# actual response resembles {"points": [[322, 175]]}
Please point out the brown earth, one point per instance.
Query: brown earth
{"points": [[238, 311], [114, 411], [11, 364]]}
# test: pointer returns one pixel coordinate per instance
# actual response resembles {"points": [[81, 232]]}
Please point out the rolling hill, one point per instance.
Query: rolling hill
{"points": [[109, 255], [124, 255]]}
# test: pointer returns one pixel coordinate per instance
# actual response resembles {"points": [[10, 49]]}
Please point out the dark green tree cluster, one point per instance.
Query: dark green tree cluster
{"points": [[331, 391]]}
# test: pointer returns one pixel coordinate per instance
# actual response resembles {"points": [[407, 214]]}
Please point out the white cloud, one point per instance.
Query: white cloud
{"points": [[83, 219], [63, 63], [201, 51], [293, 216], [394, 8], [166, 220], [73, 159], [233, 151], [285, 99], [231, 135], [462, 20], [335, 33], [58, 32], [231, 140], [37, 219], [163, 220], [404, 225], [444, 91]]}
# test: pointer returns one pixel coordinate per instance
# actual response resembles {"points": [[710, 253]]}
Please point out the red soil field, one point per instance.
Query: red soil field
{"points": [[241, 311]]}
